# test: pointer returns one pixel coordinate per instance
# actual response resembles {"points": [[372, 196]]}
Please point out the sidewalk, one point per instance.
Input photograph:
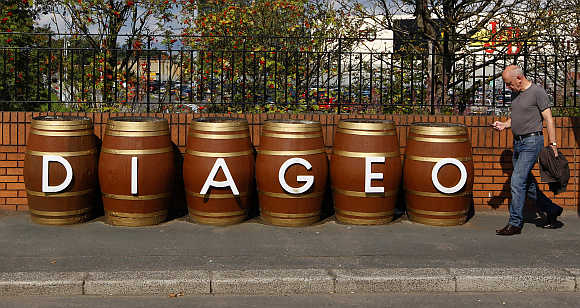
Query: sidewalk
{"points": [[179, 257]]}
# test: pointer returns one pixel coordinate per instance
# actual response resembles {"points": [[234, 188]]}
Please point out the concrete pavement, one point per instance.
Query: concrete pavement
{"points": [[182, 258]]}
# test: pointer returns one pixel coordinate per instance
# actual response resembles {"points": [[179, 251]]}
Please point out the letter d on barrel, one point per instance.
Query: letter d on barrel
{"points": [[46, 159], [60, 170], [291, 172]]}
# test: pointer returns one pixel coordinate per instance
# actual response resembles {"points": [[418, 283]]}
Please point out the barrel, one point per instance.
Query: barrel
{"points": [[72, 141], [136, 171], [291, 172], [219, 158], [438, 174], [360, 144]]}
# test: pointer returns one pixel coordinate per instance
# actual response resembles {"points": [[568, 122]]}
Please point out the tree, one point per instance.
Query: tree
{"points": [[101, 22], [563, 39], [453, 31], [22, 81], [266, 50], [105, 25]]}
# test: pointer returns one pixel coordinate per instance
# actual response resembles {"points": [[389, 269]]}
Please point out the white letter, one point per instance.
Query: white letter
{"points": [[369, 176], [69, 173], [308, 179], [219, 163], [134, 176], [435, 172]]}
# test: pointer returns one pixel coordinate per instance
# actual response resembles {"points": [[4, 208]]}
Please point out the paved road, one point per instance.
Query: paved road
{"points": [[181, 245], [560, 300]]}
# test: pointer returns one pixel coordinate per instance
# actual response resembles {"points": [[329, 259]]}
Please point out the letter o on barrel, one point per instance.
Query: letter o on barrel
{"points": [[438, 173]]}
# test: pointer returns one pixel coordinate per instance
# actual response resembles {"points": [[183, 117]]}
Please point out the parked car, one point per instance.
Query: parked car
{"points": [[154, 86]]}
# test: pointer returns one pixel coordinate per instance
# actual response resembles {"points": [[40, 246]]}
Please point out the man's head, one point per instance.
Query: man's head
{"points": [[514, 78]]}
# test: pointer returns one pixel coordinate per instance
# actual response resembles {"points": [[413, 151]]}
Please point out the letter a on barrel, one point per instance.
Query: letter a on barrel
{"points": [[218, 171]]}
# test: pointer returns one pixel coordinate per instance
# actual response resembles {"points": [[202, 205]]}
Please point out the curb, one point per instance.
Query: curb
{"points": [[41, 283], [147, 283], [289, 281]]}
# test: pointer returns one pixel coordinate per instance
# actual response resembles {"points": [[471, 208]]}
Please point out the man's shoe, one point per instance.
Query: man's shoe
{"points": [[509, 230], [502, 229], [553, 225], [552, 220]]}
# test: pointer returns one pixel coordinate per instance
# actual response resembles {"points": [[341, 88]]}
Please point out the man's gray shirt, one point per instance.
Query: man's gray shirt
{"points": [[527, 108]]}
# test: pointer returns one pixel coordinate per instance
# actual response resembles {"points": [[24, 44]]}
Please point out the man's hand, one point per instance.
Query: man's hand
{"points": [[555, 149], [497, 125]]}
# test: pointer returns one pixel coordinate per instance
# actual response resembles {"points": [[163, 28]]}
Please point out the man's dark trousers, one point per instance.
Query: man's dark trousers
{"points": [[525, 155]]}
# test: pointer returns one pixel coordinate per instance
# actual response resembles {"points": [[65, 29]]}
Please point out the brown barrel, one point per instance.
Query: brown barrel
{"points": [[427, 145], [354, 140], [282, 140], [209, 140], [148, 140], [71, 138]]}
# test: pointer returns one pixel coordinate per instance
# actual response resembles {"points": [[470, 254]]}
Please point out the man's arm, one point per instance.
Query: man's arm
{"points": [[547, 115], [502, 125]]}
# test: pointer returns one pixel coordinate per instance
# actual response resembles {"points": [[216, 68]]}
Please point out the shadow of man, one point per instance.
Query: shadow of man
{"points": [[505, 161]]}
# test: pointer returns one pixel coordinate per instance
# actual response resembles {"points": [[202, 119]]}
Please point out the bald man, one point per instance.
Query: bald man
{"points": [[529, 109]]}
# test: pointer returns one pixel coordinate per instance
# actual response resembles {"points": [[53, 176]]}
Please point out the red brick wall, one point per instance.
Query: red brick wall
{"points": [[491, 150]]}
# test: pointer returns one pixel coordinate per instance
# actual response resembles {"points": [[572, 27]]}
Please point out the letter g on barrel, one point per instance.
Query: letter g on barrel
{"points": [[308, 179]]}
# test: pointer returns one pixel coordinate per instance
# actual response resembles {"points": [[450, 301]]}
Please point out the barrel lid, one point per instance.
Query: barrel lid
{"points": [[292, 125], [137, 124], [366, 124], [61, 122], [438, 128], [219, 124]]}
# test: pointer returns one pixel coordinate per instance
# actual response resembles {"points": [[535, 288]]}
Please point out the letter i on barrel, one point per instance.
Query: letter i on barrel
{"points": [[291, 172], [60, 170], [438, 174], [218, 170], [365, 171], [136, 171]]}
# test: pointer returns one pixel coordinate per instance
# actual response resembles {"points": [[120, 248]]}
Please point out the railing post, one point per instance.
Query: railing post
{"points": [[49, 72], [525, 57], [148, 73], [339, 76], [432, 78]]}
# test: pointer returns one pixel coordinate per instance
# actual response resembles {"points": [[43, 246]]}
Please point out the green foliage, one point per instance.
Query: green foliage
{"points": [[566, 112], [21, 78], [274, 41]]}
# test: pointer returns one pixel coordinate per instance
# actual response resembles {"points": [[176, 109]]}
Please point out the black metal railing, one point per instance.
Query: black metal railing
{"points": [[63, 74]]}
